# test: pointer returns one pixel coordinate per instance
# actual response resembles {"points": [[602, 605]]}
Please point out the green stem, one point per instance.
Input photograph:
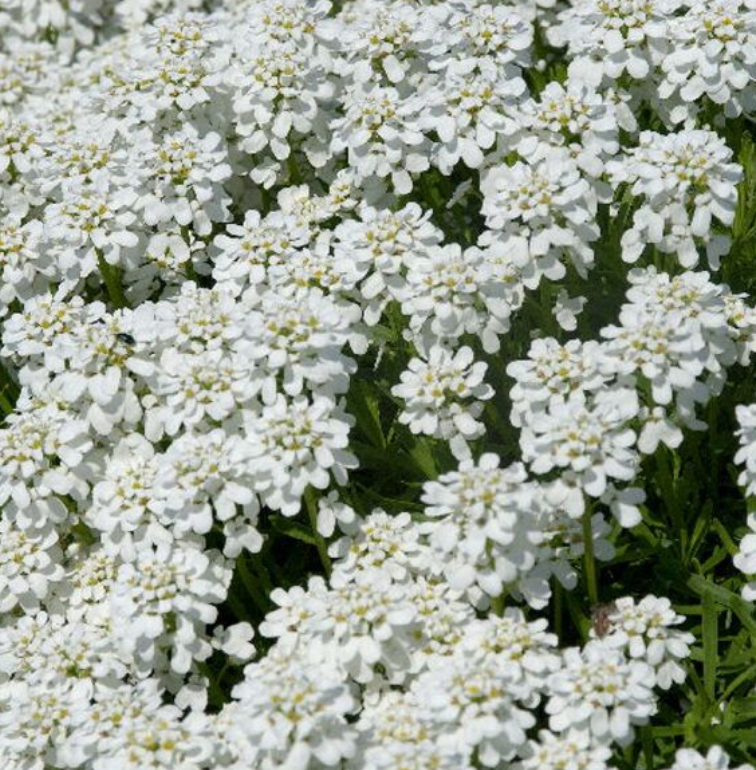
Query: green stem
{"points": [[647, 739], [710, 633], [112, 281], [665, 478], [589, 558], [498, 603], [312, 512]]}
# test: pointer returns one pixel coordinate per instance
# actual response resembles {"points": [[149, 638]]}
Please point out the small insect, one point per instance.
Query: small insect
{"points": [[601, 618], [126, 338]]}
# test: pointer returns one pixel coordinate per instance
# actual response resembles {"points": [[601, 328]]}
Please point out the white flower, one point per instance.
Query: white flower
{"points": [[468, 112], [675, 332], [25, 267], [126, 507], [589, 436], [290, 21], [167, 597], [385, 42], [151, 735], [20, 149], [89, 577], [741, 318], [380, 541], [364, 624], [712, 56], [235, 641], [657, 429], [290, 712], [90, 224], [643, 631], [367, 623], [278, 97], [42, 455], [451, 292], [245, 252], [299, 443], [332, 511], [599, 690], [192, 388], [551, 373], [32, 332], [746, 454], [485, 524], [609, 38], [715, 759], [417, 755], [575, 749], [380, 246], [29, 564], [575, 116], [745, 559], [381, 135], [40, 719], [89, 363], [443, 396], [443, 616], [567, 309], [170, 73], [295, 344], [397, 726], [52, 652], [184, 181], [544, 211], [525, 650], [685, 180], [477, 700], [296, 609], [491, 37], [206, 477], [195, 320]]}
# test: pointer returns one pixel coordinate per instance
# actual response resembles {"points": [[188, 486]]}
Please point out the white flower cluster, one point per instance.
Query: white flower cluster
{"points": [[715, 759], [677, 55], [495, 531], [254, 253], [589, 410], [433, 390], [685, 180], [470, 686]]}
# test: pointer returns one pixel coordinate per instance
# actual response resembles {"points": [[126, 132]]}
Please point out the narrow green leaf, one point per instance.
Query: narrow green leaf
{"points": [[364, 405], [292, 528], [740, 607], [710, 632]]}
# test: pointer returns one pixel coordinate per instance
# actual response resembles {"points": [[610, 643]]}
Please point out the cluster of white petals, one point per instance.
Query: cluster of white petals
{"points": [[341, 344]]}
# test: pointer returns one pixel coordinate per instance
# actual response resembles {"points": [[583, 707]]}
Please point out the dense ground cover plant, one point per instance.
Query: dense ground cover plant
{"points": [[377, 384]]}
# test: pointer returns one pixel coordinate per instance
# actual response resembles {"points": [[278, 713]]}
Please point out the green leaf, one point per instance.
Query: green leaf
{"points": [[292, 528], [363, 403], [710, 633], [739, 606]]}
